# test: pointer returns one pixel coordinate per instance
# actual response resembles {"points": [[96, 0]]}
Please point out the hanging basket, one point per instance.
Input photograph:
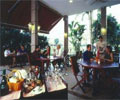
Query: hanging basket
{"points": [[15, 86]]}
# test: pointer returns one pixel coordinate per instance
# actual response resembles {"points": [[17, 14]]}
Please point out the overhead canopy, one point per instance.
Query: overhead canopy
{"points": [[17, 13], [77, 6]]}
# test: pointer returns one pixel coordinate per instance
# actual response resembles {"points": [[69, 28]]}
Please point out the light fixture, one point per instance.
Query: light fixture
{"points": [[31, 27], [65, 35], [103, 31], [70, 1]]}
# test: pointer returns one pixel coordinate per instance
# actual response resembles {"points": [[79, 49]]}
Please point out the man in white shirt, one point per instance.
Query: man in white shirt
{"points": [[101, 45], [7, 52], [9, 56]]}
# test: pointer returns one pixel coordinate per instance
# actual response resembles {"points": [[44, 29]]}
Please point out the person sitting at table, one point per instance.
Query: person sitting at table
{"points": [[59, 56], [10, 55], [36, 54], [108, 57], [21, 56], [46, 53], [88, 57], [22, 50]]}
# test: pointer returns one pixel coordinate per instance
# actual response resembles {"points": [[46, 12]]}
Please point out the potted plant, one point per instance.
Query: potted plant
{"points": [[76, 31]]}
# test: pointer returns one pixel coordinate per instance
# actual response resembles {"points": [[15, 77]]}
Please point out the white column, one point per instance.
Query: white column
{"points": [[34, 20]]}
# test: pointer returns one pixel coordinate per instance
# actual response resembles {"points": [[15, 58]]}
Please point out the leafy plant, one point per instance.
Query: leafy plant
{"points": [[76, 31], [14, 38], [113, 29]]}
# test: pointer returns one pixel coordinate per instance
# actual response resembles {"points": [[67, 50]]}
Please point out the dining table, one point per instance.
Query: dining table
{"points": [[96, 65], [43, 61], [102, 68], [54, 87]]}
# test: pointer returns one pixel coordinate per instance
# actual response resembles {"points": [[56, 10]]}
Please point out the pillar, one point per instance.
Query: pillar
{"points": [[104, 21], [34, 20], [0, 37], [91, 35], [66, 34]]}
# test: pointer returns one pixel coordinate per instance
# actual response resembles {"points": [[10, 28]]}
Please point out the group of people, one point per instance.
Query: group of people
{"points": [[104, 55], [104, 52], [37, 53], [46, 54], [12, 55]]}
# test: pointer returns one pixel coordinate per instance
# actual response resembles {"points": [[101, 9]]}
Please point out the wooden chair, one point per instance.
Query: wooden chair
{"points": [[31, 60], [35, 62], [77, 73]]}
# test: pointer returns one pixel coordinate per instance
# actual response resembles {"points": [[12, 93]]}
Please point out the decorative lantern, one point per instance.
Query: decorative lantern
{"points": [[31, 27], [65, 35], [103, 31]]}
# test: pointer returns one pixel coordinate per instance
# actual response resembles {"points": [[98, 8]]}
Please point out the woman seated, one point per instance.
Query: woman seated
{"points": [[46, 53], [108, 57]]}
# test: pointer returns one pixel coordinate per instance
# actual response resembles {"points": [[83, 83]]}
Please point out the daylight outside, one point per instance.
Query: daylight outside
{"points": [[62, 50]]}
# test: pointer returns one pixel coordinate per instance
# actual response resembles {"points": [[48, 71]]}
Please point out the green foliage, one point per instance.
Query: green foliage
{"points": [[96, 27], [113, 29], [14, 38], [76, 31]]}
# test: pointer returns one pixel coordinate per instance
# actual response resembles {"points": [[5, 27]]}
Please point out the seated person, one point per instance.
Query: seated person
{"points": [[46, 53], [108, 57], [36, 58], [22, 50], [88, 57], [10, 55], [59, 56], [36, 54], [21, 55]]}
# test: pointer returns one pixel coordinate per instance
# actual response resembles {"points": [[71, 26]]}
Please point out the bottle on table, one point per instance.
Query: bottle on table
{"points": [[4, 86], [97, 57]]}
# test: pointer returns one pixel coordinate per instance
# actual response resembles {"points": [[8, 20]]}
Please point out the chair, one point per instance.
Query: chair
{"points": [[32, 61], [76, 72], [35, 62], [22, 59]]}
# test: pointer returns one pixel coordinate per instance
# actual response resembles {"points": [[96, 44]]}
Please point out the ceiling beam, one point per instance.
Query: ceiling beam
{"points": [[14, 6]]}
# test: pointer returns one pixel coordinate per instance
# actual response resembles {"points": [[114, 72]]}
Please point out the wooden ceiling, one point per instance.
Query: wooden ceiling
{"points": [[17, 13]]}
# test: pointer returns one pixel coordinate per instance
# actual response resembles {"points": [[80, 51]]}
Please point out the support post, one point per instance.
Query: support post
{"points": [[91, 35], [104, 21], [65, 34], [0, 37], [34, 20]]}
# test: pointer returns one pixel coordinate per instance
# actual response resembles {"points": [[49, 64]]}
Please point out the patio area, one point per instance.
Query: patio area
{"points": [[33, 67], [77, 93]]}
